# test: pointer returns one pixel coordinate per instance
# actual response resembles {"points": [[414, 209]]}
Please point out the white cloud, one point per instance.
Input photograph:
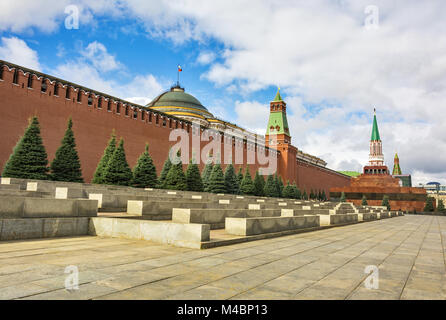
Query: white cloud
{"points": [[206, 57], [16, 50], [97, 54]]}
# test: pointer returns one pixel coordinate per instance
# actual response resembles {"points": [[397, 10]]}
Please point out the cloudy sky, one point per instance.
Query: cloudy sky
{"points": [[334, 60]]}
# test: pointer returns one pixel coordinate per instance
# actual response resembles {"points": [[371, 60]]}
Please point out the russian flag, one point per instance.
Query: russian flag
{"points": [[179, 68]]}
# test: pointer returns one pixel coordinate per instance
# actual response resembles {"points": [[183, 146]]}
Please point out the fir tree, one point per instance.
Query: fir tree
{"points": [[259, 184], [429, 207], [239, 178], [118, 171], [440, 207], [162, 178], [324, 196], [217, 180], [247, 186], [144, 173], [277, 186], [385, 202], [270, 189], [311, 194], [319, 195], [176, 179], [193, 177], [296, 191], [98, 176], [206, 174], [364, 201], [66, 165], [305, 196], [281, 186], [29, 159], [288, 191], [343, 198], [231, 182]]}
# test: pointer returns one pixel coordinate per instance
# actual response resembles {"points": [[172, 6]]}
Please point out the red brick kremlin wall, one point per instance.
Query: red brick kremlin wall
{"points": [[92, 127]]}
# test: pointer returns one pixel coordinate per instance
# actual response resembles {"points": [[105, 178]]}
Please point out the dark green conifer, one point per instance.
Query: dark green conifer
{"points": [[364, 200], [206, 175], [324, 196], [29, 159], [343, 198], [270, 189], [277, 186], [98, 176], [305, 196], [239, 178], [176, 179], [162, 178], [118, 171], [386, 202], [193, 177], [247, 186], [217, 180], [429, 206], [288, 191], [296, 192], [259, 184], [66, 165], [440, 207], [231, 182], [144, 173]]}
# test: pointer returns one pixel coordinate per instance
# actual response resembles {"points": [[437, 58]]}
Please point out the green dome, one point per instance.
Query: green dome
{"points": [[179, 103]]}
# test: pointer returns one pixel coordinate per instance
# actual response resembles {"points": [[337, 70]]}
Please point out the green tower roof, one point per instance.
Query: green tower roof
{"points": [[396, 166], [278, 96], [375, 131]]}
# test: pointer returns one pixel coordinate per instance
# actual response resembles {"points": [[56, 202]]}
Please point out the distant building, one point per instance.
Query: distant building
{"points": [[351, 173]]}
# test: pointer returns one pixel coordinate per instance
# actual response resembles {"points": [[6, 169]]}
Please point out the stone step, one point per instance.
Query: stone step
{"points": [[19, 207], [216, 217], [262, 225], [334, 219]]}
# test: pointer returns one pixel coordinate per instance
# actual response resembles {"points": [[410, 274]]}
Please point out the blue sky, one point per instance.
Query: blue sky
{"points": [[334, 61]]}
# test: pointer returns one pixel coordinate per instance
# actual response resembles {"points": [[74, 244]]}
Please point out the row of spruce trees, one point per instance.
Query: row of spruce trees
{"points": [[29, 161]]}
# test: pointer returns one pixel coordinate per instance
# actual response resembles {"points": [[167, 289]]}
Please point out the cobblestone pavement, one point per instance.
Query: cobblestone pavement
{"points": [[408, 251]]}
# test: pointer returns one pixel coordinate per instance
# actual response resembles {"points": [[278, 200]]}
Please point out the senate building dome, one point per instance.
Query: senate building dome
{"points": [[178, 103]]}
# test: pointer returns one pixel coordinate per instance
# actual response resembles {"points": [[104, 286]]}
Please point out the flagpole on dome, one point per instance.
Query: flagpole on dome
{"points": [[179, 69]]}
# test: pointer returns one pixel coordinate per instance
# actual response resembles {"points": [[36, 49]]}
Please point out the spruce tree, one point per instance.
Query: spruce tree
{"points": [[324, 196], [162, 178], [98, 176], [247, 186], [319, 195], [205, 175], [364, 200], [288, 191], [429, 207], [311, 194], [176, 179], [193, 177], [29, 159], [297, 193], [118, 171], [281, 186], [217, 180], [239, 178], [66, 165], [144, 173], [277, 186], [343, 198], [270, 189], [440, 207], [304, 195], [385, 202], [231, 180], [259, 184]]}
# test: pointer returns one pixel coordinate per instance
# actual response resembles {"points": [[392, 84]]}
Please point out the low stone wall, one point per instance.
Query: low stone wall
{"points": [[19, 207], [20, 229], [181, 235], [333, 219], [255, 226]]}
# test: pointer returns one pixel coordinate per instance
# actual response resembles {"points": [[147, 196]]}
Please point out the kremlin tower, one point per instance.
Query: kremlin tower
{"points": [[376, 158]]}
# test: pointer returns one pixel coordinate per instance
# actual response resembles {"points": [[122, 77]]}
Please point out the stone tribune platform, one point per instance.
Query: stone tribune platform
{"points": [[326, 264]]}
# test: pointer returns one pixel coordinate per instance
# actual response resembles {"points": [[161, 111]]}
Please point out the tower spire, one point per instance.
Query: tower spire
{"points": [[376, 157], [375, 131]]}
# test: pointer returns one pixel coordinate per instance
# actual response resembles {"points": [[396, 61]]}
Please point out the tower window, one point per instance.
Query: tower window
{"points": [[90, 100], [30, 81], [44, 86], [100, 103], [15, 78], [56, 89]]}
